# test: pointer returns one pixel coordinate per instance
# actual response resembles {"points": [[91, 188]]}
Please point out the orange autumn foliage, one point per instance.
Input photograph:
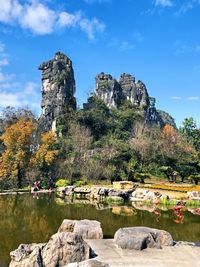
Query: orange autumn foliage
{"points": [[169, 134], [17, 140], [46, 154]]}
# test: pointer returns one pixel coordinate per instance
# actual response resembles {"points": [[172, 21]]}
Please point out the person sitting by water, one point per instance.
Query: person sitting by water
{"points": [[51, 184]]}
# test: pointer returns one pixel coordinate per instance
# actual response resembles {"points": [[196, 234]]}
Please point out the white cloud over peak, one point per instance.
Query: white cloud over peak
{"points": [[40, 19], [163, 3]]}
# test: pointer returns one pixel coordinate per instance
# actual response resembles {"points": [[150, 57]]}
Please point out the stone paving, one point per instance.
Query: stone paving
{"points": [[176, 256]]}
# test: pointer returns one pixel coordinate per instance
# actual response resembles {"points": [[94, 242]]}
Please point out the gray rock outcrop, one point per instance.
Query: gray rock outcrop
{"points": [[58, 88], [64, 248], [139, 238], [109, 90], [61, 249], [114, 93]]}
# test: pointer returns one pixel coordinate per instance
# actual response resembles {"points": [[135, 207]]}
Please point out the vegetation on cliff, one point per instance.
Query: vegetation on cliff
{"points": [[96, 144]]}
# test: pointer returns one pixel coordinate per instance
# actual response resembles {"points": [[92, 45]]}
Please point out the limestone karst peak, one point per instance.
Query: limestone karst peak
{"points": [[58, 88]]}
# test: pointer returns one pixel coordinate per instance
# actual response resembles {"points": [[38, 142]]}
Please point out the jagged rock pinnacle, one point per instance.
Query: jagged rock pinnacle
{"points": [[58, 88]]}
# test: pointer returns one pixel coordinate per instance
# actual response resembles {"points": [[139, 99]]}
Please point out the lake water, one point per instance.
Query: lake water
{"points": [[27, 218]]}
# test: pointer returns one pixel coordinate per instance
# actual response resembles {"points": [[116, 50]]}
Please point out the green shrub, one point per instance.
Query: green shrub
{"points": [[79, 183], [62, 183], [140, 176]]}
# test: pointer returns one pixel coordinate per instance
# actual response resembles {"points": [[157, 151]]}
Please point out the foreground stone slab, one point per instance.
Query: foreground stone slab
{"points": [[140, 238], [169, 256], [88, 229], [88, 263]]}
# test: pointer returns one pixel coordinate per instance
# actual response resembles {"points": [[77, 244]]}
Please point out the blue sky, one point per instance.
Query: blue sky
{"points": [[157, 41]]}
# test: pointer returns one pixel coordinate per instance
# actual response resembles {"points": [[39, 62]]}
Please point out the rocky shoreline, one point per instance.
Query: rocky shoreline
{"points": [[124, 191], [80, 243]]}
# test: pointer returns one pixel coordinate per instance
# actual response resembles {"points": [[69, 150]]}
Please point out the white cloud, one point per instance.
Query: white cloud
{"points": [[68, 20], [193, 98], [176, 97], [31, 88], [41, 20], [125, 45], [91, 26], [9, 99], [163, 3], [11, 96], [6, 77]]}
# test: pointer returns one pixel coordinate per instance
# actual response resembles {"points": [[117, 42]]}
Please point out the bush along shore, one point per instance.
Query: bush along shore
{"points": [[80, 243]]}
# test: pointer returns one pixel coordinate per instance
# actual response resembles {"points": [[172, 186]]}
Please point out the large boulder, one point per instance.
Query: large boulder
{"points": [[88, 229], [139, 194], [125, 194], [194, 195], [61, 249], [82, 190], [64, 248], [69, 190], [139, 238]]}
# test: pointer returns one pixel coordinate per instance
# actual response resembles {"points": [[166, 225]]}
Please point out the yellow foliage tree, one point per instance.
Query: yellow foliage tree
{"points": [[17, 140], [46, 155]]}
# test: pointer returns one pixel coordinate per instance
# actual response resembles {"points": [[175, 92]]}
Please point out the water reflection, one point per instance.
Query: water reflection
{"points": [[34, 218]]}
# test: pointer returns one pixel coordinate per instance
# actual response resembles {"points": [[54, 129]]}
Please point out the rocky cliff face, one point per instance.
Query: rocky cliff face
{"points": [[114, 92], [58, 88], [109, 90]]}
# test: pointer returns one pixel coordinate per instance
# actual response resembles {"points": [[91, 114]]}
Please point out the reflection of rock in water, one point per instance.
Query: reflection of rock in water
{"points": [[144, 206], [61, 201], [124, 211]]}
